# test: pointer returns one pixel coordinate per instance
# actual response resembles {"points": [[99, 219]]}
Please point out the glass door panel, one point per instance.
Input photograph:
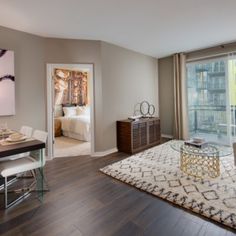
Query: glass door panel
{"points": [[232, 95], [207, 87]]}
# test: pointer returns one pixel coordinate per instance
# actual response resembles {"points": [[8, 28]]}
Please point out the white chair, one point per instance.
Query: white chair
{"points": [[30, 163], [27, 131]]}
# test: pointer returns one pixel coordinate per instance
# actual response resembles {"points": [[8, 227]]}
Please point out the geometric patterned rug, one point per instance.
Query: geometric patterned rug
{"points": [[157, 171]]}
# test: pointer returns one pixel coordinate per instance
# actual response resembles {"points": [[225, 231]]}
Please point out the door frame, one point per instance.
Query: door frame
{"points": [[50, 99]]}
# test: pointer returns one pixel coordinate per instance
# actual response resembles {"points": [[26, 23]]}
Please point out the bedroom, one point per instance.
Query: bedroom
{"points": [[71, 106]]}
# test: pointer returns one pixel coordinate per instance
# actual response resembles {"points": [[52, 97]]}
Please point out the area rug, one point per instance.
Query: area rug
{"points": [[157, 171]]}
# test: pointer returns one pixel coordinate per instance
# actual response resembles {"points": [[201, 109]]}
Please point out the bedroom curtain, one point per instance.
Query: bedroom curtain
{"points": [[180, 97]]}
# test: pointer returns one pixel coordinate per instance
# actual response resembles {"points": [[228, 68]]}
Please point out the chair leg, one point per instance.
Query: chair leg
{"points": [[33, 174], [8, 183], [5, 192], [6, 204], [26, 191], [33, 186]]}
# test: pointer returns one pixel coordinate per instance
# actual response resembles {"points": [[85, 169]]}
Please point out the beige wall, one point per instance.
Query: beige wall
{"points": [[30, 78], [127, 78], [80, 51], [166, 94], [121, 79]]}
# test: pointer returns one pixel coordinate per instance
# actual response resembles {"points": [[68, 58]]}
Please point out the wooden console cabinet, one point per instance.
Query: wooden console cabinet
{"points": [[135, 136]]}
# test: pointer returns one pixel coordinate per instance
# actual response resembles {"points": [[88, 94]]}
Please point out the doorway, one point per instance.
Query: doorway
{"points": [[70, 110]]}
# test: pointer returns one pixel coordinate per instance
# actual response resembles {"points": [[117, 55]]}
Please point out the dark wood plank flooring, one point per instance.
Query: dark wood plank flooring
{"points": [[83, 201]]}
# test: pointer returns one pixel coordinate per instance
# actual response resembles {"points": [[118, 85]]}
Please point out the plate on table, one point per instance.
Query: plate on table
{"points": [[23, 138], [6, 132]]}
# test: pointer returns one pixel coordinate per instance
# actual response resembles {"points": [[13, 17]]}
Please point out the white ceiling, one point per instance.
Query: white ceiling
{"points": [[153, 27]]}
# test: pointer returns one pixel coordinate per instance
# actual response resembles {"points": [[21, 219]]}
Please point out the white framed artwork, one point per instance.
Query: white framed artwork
{"points": [[7, 83]]}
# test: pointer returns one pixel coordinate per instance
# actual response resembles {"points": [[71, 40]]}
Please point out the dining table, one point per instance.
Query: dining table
{"points": [[35, 147]]}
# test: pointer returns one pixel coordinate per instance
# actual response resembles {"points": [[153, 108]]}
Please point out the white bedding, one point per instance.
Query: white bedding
{"points": [[76, 127]]}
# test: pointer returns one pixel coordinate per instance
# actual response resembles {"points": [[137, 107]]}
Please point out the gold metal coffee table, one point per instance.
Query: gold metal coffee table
{"points": [[201, 162]]}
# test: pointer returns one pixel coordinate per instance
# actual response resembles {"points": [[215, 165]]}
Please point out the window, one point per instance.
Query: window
{"points": [[211, 89]]}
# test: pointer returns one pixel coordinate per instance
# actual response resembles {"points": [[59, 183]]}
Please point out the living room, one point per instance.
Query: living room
{"points": [[162, 103]]}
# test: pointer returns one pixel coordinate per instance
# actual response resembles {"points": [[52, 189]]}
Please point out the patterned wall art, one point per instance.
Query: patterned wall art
{"points": [[71, 87], [7, 83]]}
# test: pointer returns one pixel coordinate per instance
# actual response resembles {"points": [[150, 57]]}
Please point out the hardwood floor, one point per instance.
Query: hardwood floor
{"points": [[84, 201]]}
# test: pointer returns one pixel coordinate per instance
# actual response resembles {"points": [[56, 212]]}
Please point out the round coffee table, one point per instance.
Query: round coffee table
{"points": [[201, 162]]}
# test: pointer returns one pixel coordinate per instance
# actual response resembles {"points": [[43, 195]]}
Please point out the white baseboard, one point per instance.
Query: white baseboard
{"points": [[47, 158], [104, 153], [95, 154], [167, 136]]}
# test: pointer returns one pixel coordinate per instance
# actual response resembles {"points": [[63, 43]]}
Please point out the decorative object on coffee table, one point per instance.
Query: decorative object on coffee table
{"points": [[196, 142]]}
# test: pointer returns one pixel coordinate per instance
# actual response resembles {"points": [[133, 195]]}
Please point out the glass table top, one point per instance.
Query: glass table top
{"points": [[209, 149]]}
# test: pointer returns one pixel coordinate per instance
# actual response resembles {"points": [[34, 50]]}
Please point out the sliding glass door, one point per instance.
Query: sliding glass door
{"points": [[232, 96], [211, 89]]}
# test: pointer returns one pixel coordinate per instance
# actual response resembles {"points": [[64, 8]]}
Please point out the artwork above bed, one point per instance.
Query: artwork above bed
{"points": [[71, 87]]}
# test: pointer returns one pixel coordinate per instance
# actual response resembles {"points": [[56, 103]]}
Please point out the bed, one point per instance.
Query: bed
{"points": [[77, 127], [76, 123]]}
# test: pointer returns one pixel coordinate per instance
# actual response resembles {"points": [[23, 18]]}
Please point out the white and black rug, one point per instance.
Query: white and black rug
{"points": [[157, 171]]}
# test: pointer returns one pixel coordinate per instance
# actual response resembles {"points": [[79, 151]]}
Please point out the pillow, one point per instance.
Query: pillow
{"points": [[69, 111], [83, 110]]}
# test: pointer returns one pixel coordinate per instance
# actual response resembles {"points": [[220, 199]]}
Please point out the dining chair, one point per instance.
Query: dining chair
{"points": [[27, 131], [24, 164]]}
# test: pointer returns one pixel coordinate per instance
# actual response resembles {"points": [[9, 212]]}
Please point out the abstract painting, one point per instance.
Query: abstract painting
{"points": [[7, 83], [71, 87]]}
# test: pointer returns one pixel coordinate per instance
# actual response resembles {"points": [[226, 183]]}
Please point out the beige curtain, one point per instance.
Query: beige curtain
{"points": [[180, 97]]}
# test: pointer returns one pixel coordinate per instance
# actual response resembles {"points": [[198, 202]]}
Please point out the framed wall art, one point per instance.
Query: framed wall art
{"points": [[7, 83]]}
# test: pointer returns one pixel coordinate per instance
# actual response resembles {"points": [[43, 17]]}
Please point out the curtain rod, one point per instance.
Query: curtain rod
{"points": [[210, 56]]}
